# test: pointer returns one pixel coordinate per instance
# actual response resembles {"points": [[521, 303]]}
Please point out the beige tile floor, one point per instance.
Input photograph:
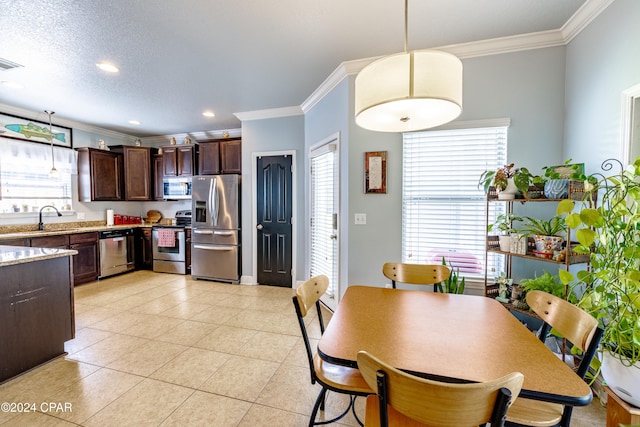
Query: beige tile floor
{"points": [[165, 350]]}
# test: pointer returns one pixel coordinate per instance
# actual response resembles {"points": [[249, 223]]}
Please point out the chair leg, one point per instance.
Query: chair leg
{"points": [[353, 409], [320, 405]]}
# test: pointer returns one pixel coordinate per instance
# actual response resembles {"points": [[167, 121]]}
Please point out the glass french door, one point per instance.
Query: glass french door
{"points": [[324, 218]]}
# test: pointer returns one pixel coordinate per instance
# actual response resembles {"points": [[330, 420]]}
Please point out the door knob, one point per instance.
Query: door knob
{"points": [[333, 236], [259, 227]]}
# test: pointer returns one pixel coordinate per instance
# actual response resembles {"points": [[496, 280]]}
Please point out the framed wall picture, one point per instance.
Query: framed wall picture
{"points": [[375, 172], [34, 131]]}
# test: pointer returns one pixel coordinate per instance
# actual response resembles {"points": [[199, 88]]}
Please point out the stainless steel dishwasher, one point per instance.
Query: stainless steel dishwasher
{"points": [[117, 252]]}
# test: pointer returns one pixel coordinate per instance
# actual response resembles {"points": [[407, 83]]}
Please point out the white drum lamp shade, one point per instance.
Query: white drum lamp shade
{"points": [[409, 91]]}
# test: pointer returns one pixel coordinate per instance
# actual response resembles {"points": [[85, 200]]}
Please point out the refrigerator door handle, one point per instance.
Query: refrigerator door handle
{"points": [[215, 202], [196, 231], [214, 248], [224, 233]]}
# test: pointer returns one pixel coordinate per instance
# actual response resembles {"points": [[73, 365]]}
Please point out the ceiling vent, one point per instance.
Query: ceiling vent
{"points": [[5, 64]]}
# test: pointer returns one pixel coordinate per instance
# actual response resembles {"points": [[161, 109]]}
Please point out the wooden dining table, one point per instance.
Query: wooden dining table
{"points": [[448, 337]]}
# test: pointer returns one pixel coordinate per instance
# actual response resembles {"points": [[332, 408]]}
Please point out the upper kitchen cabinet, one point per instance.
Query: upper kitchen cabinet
{"points": [[158, 173], [100, 175], [179, 160], [138, 175], [219, 156]]}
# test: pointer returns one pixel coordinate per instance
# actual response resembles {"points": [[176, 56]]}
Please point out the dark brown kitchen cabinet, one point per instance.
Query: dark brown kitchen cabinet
{"points": [[138, 177], [100, 175], [144, 249], [60, 241], [158, 173], [179, 160], [36, 314], [85, 262], [15, 242], [220, 156]]}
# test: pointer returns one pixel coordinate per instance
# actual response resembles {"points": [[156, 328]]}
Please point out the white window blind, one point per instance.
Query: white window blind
{"points": [[443, 210], [25, 185], [323, 246]]}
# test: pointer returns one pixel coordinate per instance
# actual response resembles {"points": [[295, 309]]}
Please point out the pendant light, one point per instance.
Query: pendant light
{"points": [[409, 91], [53, 173]]}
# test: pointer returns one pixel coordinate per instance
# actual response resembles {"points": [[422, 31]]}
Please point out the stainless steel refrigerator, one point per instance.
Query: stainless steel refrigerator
{"points": [[215, 228]]}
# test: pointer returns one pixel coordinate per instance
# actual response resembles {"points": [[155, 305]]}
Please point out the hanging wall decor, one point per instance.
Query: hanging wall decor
{"points": [[375, 172], [32, 130]]}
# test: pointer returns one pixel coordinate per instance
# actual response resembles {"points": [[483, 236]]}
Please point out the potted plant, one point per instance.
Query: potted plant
{"points": [[454, 284], [610, 233], [556, 179], [504, 224], [547, 234], [507, 180]]}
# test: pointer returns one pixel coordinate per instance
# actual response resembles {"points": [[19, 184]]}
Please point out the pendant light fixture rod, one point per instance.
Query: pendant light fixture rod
{"points": [[406, 26], [54, 172]]}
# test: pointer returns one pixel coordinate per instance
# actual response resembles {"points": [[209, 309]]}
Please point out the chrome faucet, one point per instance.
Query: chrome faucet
{"points": [[40, 224]]}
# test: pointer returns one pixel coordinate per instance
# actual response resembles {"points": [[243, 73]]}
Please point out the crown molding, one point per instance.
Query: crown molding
{"points": [[195, 136], [269, 113], [28, 114], [583, 17], [543, 39]]}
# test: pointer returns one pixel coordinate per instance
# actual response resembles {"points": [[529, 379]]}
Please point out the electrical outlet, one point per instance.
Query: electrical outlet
{"points": [[80, 215], [360, 219]]}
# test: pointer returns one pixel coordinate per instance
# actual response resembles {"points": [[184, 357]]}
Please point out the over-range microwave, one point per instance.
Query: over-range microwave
{"points": [[177, 188]]}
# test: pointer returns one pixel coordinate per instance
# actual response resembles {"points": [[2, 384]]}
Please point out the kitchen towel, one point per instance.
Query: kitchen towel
{"points": [[166, 238], [109, 217]]}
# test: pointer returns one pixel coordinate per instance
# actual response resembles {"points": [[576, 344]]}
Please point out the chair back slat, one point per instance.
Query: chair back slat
{"points": [[310, 292], [438, 403], [571, 321], [416, 274]]}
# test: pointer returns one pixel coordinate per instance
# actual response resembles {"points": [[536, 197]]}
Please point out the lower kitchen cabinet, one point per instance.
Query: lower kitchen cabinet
{"points": [[36, 314], [144, 249], [57, 242], [85, 262]]}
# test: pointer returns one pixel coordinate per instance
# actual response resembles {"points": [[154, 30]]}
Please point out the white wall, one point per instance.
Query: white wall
{"points": [[602, 61]]}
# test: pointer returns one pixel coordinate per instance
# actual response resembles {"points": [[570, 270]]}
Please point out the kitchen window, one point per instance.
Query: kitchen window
{"points": [[443, 209], [25, 185]]}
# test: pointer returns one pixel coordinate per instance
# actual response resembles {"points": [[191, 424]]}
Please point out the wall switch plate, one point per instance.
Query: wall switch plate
{"points": [[360, 219], [80, 215]]}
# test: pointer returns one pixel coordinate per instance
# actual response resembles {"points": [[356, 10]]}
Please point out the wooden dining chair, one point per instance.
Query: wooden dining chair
{"points": [[340, 379], [407, 400], [577, 326], [416, 274]]}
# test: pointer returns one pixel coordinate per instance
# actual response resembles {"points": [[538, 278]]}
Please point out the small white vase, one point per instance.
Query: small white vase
{"points": [[509, 192], [505, 242], [623, 380]]}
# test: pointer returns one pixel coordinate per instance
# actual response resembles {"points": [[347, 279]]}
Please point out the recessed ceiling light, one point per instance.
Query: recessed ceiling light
{"points": [[109, 68], [208, 114], [12, 85], [134, 122]]}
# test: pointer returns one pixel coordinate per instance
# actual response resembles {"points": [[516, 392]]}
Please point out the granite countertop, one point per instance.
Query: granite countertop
{"points": [[65, 228], [11, 255]]}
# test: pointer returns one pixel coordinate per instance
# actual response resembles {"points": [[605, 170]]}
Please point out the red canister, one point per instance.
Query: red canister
{"points": [[117, 219]]}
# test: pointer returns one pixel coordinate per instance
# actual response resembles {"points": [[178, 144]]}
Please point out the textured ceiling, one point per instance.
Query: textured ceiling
{"points": [[179, 58]]}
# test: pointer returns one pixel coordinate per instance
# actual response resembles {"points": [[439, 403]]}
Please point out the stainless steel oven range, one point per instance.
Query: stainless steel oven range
{"points": [[169, 249]]}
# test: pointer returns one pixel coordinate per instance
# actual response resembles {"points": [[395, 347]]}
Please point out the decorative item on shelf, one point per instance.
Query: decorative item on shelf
{"points": [[507, 180], [172, 141], [610, 233], [409, 91], [504, 225], [546, 234], [187, 140], [225, 134], [557, 179], [518, 243], [556, 189], [102, 145], [138, 143], [504, 286]]}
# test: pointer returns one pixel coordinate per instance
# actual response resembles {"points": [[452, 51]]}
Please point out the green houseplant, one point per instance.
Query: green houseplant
{"points": [[547, 234], [610, 233], [454, 284], [504, 225], [506, 178]]}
